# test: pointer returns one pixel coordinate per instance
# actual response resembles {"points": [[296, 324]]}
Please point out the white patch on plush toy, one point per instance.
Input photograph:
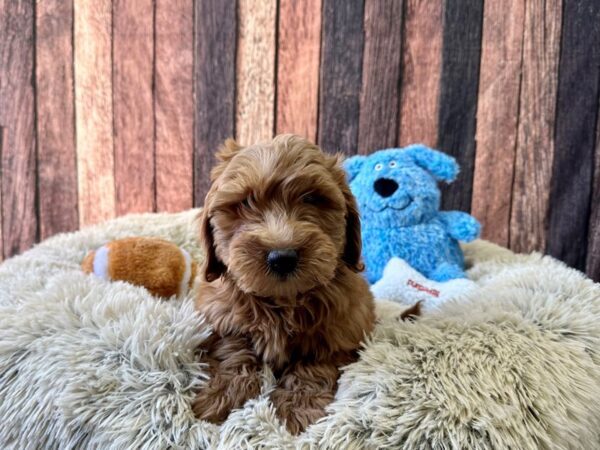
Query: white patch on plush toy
{"points": [[101, 263], [185, 280], [403, 284]]}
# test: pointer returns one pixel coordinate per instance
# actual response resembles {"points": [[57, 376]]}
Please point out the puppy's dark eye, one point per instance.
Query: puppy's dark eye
{"points": [[245, 203], [313, 198]]}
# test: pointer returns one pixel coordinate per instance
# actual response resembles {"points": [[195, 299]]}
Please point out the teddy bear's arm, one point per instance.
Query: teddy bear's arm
{"points": [[460, 225]]}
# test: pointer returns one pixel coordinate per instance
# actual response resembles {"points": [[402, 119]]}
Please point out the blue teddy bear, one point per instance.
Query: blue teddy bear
{"points": [[399, 200]]}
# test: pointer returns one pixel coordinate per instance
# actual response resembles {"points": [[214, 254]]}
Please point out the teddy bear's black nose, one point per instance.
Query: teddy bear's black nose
{"points": [[282, 262], [385, 187]]}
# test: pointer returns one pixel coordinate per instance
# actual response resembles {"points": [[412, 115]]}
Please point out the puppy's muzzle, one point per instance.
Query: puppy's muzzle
{"points": [[282, 261]]}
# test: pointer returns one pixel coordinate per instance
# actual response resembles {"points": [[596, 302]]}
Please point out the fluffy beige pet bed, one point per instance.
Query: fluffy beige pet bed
{"points": [[85, 363]]}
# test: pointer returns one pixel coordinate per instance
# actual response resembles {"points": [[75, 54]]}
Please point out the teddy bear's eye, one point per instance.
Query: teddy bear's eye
{"points": [[378, 166], [393, 164]]}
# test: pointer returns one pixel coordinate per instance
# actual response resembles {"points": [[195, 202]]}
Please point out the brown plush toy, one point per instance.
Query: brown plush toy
{"points": [[160, 266]]}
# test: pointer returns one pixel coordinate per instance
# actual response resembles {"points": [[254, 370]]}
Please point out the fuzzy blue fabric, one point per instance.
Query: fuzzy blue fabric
{"points": [[399, 200]]}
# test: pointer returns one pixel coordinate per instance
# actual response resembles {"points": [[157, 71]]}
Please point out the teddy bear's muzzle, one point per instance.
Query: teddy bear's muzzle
{"points": [[385, 187]]}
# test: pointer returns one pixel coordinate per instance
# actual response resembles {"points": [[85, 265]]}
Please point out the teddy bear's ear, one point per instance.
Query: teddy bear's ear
{"points": [[441, 166], [352, 165]]}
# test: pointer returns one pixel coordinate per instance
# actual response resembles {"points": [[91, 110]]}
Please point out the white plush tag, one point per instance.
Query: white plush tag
{"points": [[403, 284], [101, 262]]}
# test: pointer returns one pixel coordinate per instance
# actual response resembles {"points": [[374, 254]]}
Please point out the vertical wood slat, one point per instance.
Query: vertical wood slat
{"points": [[576, 111], [593, 255], [133, 60], [255, 80], [17, 119], [342, 40], [298, 48], [458, 95], [421, 71], [214, 82], [535, 143], [93, 110], [174, 104], [378, 119], [2, 145], [57, 172], [497, 117]]}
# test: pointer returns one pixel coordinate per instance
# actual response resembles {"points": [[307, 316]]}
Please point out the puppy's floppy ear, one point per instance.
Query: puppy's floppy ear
{"points": [[441, 166], [226, 152], [212, 268], [353, 246]]}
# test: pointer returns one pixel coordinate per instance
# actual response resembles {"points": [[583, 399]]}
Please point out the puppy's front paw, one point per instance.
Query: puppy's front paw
{"points": [[300, 409], [225, 392], [211, 406]]}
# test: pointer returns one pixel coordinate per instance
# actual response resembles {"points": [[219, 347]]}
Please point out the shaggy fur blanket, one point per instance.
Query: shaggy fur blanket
{"points": [[86, 363]]}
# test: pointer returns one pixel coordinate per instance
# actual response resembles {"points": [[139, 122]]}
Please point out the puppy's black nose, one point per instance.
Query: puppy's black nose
{"points": [[385, 187], [282, 261]]}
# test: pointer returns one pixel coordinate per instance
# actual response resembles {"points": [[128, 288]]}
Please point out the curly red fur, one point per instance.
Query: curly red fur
{"points": [[304, 326]]}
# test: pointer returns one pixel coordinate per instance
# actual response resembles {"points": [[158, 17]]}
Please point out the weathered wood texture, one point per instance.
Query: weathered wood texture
{"points": [[115, 106], [255, 81], [380, 74], [421, 70], [593, 256], [458, 95], [497, 117], [94, 110], [174, 104], [17, 118], [214, 81], [133, 61], [57, 171], [299, 45], [575, 139], [342, 40], [2, 145], [535, 136]]}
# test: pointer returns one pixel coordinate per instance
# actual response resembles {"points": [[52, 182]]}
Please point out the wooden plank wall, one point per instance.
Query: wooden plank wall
{"points": [[575, 139], [17, 120], [109, 107]]}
